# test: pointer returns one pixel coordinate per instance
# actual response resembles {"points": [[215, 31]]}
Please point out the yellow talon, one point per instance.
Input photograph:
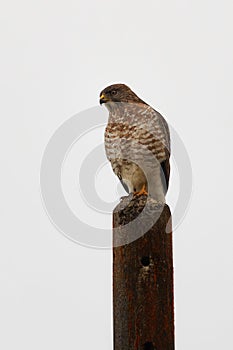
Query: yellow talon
{"points": [[143, 191]]}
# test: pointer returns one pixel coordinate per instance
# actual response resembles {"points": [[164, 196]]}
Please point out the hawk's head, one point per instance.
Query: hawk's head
{"points": [[119, 93]]}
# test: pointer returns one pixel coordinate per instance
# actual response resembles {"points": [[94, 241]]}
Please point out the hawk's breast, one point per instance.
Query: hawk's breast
{"points": [[136, 130]]}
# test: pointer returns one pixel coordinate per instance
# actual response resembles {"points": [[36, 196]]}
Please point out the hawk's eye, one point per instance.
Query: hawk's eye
{"points": [[113, 92]]}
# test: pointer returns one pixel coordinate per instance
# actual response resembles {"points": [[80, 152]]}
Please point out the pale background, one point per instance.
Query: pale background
{"points": [[55, 58]]}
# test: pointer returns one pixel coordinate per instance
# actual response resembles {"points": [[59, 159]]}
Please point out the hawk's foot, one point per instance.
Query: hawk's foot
{"points": [[142, 192]]}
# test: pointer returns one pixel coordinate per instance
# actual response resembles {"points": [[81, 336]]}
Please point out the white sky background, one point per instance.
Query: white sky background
{"points": [[55, 59]]}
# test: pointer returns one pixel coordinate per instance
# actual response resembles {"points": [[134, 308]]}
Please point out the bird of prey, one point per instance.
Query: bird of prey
{"points": [[137, 142]]}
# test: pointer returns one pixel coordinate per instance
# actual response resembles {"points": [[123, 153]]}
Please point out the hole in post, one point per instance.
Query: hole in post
{"points": [[148, 346], [145, 260]]}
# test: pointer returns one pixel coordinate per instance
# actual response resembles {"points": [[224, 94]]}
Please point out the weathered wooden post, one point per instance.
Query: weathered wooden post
{"points": [[143, 276]]}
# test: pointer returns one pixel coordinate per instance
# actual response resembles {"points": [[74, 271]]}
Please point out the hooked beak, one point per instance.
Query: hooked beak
{"points": [[103, 99]]}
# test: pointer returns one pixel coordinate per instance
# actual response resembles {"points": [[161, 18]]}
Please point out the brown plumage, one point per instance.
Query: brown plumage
{"points": [[137, 142]]}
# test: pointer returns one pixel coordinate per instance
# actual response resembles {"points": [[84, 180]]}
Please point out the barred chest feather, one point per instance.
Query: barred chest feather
{"points": [[133, 128]]}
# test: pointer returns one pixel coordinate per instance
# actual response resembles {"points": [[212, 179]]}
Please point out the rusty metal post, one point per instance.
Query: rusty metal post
{"points": [[143, 302]]}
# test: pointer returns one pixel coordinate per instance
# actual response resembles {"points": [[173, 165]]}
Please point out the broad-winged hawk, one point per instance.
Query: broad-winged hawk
{"points": [[137, 142]]}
